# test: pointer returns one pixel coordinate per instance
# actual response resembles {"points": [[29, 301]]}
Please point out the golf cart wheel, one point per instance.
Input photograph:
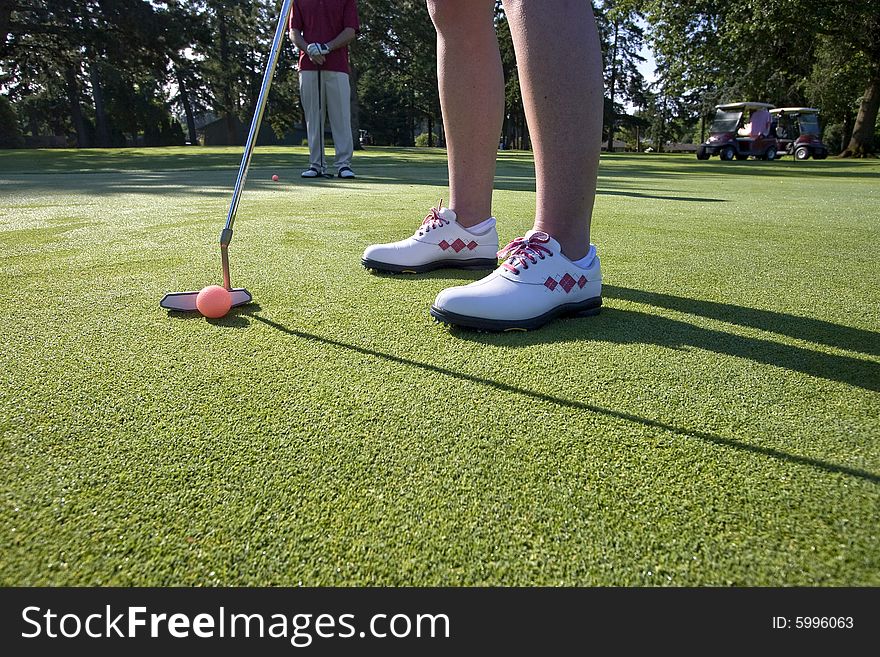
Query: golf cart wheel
{"points": [[770, 154], [802, 153], [742, 156], [702, 154], [726, 153]]}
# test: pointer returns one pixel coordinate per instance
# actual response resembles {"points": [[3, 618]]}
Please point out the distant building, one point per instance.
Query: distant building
{"points": [[619, 146], [672, 147], [214, 133]]}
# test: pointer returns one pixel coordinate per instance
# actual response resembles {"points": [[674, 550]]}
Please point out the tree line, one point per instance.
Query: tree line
{"points": [[102, 73]]}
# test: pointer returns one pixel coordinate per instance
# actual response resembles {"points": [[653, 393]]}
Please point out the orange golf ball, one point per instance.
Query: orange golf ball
{"points": [[214, 301]]}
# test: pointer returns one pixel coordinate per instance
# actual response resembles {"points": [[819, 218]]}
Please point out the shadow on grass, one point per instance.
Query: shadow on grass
{"points": [[633, 327], [802, 328], [632, 165], [618, 326], [582, 406], [236, 318], [605, 192], [213, 175], [170, 183], [462, 276]]}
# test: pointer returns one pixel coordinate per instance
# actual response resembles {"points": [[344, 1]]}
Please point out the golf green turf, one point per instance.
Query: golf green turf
{"points": [[716, 424]]}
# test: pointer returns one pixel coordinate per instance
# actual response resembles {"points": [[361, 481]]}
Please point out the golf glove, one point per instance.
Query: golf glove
{"points": [[318, 49]]}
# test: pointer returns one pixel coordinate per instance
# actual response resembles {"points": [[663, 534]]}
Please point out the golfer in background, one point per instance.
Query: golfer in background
{"points": [[552, 270], [322, 30]]}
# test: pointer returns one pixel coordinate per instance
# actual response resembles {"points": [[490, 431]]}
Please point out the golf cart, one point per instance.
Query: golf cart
{"points": [[798, 133], [740, 130]]}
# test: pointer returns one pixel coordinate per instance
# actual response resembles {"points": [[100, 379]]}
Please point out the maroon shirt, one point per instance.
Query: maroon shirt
{"points": [[321, 21]]}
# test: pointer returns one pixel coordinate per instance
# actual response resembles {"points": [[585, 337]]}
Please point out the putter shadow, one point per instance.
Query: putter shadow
{"points": [[634, 327], [704, 436], [236, 318]]}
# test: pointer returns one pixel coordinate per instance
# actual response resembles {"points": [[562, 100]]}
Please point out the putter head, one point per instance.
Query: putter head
{"points": [[186, 301]]}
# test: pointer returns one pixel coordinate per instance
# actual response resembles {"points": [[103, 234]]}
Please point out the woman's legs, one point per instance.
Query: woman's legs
{"points": [[471, 83], [560, 71]]}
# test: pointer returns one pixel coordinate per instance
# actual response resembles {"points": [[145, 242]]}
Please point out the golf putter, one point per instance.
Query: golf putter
{"points": [[186, 301]]}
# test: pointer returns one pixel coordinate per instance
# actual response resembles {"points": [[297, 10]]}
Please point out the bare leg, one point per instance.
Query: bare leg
{"points": [[471, 82], [560, 71]]}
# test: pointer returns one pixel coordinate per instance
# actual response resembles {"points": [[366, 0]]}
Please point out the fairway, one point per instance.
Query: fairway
{"points": [[716, 424]]}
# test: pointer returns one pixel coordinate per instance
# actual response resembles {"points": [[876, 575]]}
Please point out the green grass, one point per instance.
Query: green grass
{"points": [[716, 424]]}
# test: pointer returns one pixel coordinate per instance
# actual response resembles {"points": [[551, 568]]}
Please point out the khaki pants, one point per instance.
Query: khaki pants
{"points": [[336, 99]]}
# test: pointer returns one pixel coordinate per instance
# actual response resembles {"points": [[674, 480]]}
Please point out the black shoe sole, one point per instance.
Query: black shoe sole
{"points": [[581, 309], [473, 264]]}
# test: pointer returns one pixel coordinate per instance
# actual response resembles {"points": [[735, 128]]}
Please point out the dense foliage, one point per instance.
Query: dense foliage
{"points": [[148, 72]]}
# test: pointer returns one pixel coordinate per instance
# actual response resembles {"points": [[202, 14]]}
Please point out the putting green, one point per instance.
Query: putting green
{"points": [[716, 424]]}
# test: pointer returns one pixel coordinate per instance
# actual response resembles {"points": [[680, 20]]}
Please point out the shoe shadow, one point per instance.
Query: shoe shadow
{"points": [[466, 275], [634, 327], [703, 436]]}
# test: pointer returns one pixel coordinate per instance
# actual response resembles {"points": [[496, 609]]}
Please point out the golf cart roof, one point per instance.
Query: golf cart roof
{"points": [[744, 106], [795, 110]]}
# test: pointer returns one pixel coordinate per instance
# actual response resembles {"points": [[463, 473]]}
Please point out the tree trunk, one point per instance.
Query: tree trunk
{"points": [[412, 118], [846, 133], [862, 142], [6, 7], [102, 129], [526, 138], [76, 117], [231, 128], [355, 107], [611, 88], [187, 108]]}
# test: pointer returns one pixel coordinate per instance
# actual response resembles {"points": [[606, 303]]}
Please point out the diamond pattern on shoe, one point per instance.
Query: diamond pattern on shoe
{"points": [[439, 241], [567, 282], [458, 245]]}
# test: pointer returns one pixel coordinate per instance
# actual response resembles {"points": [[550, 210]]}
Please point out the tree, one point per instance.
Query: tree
{"points": [[96, 58], [623, 39], [515, 129], [10, 134], [766, 50], [856, 26], [396, 64]]}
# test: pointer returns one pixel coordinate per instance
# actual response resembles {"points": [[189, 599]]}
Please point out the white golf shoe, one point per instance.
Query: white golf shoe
{"points": [[535, 284], [439, 242]]}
